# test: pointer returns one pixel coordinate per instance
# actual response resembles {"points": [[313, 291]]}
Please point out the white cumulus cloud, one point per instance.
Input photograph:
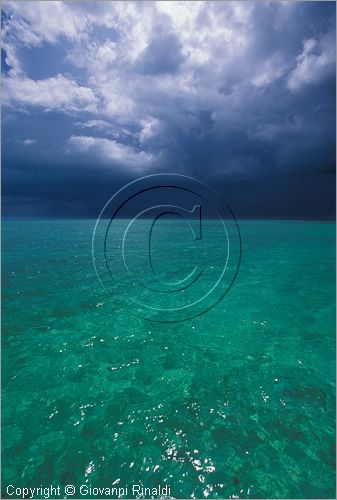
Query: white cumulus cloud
{"points": [[114, 152], [55, 93]]}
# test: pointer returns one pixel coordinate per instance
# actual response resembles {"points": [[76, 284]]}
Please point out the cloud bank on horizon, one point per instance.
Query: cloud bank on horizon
{"points": [[96, 93]]}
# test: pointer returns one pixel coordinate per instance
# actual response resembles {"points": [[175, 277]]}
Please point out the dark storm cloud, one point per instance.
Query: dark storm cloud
{"points": [[240, 95], [162, 55]]}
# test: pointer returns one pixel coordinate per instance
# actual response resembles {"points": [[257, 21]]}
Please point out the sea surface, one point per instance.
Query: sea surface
{"points": [[237, 402]]}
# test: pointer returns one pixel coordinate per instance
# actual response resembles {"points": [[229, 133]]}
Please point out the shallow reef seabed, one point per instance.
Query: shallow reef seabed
{"points": [[239, 401]]}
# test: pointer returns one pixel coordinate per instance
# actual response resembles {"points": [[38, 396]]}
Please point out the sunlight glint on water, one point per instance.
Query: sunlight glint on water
{"points": [[239, 401]]}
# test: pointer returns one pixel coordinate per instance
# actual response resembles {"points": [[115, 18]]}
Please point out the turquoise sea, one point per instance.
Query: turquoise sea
{"points": [[238, 402]]}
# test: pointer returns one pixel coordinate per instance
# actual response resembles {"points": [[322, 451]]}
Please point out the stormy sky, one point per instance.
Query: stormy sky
{"points": [[239, 95]]}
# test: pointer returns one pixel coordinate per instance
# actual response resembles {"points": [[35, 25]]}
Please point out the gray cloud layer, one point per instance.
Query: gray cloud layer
{"points": [[231, 92]]}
